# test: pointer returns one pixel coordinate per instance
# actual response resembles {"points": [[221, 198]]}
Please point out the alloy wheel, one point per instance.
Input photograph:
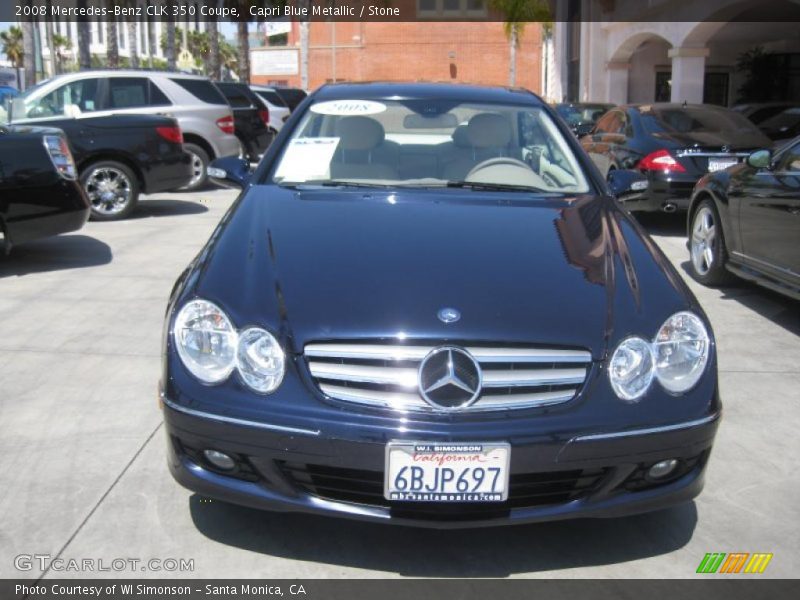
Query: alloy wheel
{"points": [[704, 241], [109, 190], [197, 170]]}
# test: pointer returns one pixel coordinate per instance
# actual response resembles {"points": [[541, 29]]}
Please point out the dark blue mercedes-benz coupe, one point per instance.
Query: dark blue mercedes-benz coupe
{"points": [[427, 307]]}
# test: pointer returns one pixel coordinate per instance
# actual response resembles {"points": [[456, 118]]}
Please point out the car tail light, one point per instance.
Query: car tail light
{"points": [[171, 134], [660, 160], [226, 124], [58, 149], [264, 114]]}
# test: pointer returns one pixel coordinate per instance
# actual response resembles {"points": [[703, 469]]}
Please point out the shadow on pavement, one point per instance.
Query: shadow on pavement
{"points": [[779, 309], [485, 552], [55, 254], [663, 224], [167, 208]]}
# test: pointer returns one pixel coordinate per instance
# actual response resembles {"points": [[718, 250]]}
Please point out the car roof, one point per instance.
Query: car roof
{"points": [[126, 72], [433, 91]]}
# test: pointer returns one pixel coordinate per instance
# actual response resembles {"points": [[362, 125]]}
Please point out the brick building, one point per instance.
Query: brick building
{"points": [[465, 52]]}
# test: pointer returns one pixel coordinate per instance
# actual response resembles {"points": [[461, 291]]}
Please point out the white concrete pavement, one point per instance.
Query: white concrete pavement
{"points": [[83, 474]]}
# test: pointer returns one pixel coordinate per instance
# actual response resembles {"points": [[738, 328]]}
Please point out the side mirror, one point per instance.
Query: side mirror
{"points": [[582, 129], [230, 171], [623, 182], [760, 159]]}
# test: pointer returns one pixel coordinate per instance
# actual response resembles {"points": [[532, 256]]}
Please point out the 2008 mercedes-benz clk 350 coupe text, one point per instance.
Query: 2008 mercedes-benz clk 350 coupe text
{"points": [[426, 307]]}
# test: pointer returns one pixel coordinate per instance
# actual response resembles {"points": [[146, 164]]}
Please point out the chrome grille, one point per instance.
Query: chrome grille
{"points": [[385, 375]]}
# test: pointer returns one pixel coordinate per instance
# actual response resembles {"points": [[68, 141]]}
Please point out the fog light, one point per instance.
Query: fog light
{"points": [[219, 459], [662, 469]]}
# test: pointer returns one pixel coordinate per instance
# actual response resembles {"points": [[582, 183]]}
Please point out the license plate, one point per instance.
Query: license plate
{"points": [[718, 164], [437, 472]]}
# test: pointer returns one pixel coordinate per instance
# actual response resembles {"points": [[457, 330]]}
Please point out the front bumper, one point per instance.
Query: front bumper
{"points": [[290, 469]]}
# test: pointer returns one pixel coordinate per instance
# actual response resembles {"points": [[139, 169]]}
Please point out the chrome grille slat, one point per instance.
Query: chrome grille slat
{"points": [[386, 376]]}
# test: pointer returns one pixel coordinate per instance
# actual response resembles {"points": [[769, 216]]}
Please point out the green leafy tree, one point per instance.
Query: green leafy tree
{"points": [[518, 13], [60, 43], [11, 41]]}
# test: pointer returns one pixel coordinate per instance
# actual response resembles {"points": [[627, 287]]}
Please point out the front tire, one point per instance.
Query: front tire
{"points": [[200, 162], [112, 188], [707, 246]]}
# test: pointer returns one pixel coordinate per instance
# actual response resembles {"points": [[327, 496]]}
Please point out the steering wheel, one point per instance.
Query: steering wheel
{"points": [[500, 161]]}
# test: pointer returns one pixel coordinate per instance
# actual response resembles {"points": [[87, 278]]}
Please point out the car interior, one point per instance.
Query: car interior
{"points": [[479, 146]]}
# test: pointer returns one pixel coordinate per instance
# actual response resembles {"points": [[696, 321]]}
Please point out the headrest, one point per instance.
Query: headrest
{"points": [[489, 130], [461, 137], [359, 133]]}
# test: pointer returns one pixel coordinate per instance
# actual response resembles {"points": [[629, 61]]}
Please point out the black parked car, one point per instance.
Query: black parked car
{"points": [[39, 192], [674, 145], [122, 156], [401, 321], [746, 221], [782, 127], [250, 119], [582, 116], [291, 96]]}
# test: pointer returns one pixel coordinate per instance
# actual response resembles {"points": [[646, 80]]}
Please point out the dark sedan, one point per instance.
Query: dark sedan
{"points": [[674, 145], [745, 221], [582, 116], [39, 192], [403, 321], [122, 156], [250, 119]]}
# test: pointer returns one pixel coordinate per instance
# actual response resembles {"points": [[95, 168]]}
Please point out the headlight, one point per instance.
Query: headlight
{"points": [[205, 340], [260, 360], [631, 368], [681, 352]]}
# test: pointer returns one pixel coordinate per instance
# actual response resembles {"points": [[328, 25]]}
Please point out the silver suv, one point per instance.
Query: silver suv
{"points": [[200, 108]]}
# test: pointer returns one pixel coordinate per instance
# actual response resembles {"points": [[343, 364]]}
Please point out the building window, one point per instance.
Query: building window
{"points": [[663, 86], [715, 88], [451, 8]]}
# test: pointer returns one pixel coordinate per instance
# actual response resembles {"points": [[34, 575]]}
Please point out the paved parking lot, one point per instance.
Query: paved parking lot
{"points": [[83, 474]]}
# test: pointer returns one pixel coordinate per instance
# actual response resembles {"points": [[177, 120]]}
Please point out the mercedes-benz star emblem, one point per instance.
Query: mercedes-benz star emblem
{"points": [[449, 378], [448, 315]]}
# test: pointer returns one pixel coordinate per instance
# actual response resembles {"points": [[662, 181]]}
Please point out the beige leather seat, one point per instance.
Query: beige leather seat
{"points": [[487, 135], [362, 152]]}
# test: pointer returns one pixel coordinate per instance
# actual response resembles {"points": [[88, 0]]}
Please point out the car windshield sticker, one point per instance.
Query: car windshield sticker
{"points": [[348, 107], [307, 159]]}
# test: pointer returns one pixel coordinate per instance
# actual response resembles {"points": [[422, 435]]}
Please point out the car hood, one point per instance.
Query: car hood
{"points": [[349, 265]]}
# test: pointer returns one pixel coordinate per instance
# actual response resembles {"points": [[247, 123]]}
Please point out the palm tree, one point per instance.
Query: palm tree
{"points": [[84, 39], [517, 14], [112, 43], [29, 53], [170, 48], [243, 44], [60, 42], [213, 46], [151, 41], [11, 41], [132, 41], [48, 35]]}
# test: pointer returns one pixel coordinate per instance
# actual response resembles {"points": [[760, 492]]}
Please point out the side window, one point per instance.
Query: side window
{"points": [[69, 100], [617, 122], [157, 97], [789, 161], [605, 124], [236, 98], [127, 92]]}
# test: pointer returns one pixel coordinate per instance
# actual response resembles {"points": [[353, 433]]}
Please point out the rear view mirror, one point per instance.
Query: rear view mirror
{"points": [[760, 159], [623, 182], [230, 171]]}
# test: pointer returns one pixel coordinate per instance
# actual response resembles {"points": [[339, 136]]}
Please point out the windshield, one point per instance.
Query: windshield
{"points": [[693, 120], [421, 143]]}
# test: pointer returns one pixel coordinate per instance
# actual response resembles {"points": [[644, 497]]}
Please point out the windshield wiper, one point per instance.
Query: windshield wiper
{"points": [[476, 185], [342, 183]]}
